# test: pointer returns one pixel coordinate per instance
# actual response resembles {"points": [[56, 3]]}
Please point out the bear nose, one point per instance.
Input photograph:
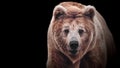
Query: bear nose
{"points": [[74, 45]]}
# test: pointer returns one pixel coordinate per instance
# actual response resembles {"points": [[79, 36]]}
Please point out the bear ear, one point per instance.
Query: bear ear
{"points": [[90, 12], [59, 12]]}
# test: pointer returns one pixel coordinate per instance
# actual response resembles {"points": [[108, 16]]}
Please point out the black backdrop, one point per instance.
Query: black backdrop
{"points": [[39, 15]]}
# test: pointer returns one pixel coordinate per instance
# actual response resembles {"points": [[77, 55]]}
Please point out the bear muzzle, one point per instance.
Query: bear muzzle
{"points": [[73, 47]]}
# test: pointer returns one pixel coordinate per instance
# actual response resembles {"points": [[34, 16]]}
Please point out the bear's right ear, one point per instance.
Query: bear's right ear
{"points": [[90, 11], [59, 12]]}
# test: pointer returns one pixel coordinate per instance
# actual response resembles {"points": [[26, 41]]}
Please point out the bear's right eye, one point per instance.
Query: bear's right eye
{"points": [[80, 31], [66, 31]]}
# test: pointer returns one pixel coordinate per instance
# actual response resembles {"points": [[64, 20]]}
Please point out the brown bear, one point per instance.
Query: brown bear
{"points": [[78, 37]]}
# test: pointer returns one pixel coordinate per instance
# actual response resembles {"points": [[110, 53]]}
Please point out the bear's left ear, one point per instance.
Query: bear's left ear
{"points": [[59, 12], [89, 12]]}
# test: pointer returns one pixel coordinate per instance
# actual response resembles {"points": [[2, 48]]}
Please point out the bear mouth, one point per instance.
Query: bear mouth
{"points": [[73, 52]]}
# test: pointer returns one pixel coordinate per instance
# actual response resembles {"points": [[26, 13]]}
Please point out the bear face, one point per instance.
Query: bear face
{"points": [[73, 30]]}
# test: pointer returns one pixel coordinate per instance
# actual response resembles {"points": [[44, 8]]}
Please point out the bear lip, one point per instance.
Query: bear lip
{"points": [[73, 52]]}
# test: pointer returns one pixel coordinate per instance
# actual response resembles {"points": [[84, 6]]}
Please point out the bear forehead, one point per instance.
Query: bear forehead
{"points": [[73, 7], [81, 20], [68, 4]]}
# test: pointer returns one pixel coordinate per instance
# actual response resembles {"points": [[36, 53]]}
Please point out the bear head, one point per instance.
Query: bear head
{"points": [[73, 29]]}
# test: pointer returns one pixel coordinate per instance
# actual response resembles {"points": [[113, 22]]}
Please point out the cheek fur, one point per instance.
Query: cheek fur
{"points": [[85, 40], [61, 41]]}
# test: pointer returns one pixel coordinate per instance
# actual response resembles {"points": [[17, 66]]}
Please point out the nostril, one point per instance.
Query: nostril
{"points": [[74, 44]]}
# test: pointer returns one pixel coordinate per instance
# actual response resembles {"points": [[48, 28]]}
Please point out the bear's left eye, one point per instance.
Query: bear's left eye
{"points": [[80, 31], [66, 31]]}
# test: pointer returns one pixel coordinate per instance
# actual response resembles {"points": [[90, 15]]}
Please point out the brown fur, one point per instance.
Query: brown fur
{"points": [[96, 43]]}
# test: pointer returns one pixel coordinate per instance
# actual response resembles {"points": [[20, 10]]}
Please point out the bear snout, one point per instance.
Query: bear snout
{"points": [[74, 45]]}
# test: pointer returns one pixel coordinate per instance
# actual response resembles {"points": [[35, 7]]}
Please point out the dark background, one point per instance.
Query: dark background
{"points": [[38, 16]]}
